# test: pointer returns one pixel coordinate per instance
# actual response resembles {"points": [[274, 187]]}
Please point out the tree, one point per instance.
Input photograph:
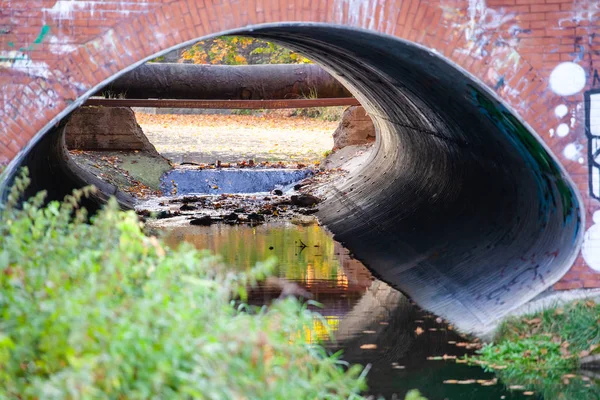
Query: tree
{"points": [[240, 50]]}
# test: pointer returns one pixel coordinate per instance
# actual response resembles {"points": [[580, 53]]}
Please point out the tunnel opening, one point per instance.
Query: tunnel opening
{"points": [[460, 206]]}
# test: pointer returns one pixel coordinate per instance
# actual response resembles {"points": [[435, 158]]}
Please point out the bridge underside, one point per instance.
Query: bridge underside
{"points": [[461, 207]]}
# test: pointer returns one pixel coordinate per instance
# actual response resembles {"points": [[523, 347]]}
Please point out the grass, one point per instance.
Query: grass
{"points": [[329, 114], [542, 351]]}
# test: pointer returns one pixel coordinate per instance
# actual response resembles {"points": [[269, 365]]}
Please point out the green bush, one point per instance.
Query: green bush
{"points": [[541, 351], [93, 308]]}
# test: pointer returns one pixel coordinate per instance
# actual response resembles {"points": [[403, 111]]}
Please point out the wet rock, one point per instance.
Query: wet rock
{"points": [[164, 214], [187, 207], [254, 217], [189, 199], [308, 211], [143, 213], [277, 192], [305, 200], [239, 210], [204, 220], [231, 217]]}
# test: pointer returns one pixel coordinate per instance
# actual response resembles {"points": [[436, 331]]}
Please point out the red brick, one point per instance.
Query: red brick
{"points": [[591, 283], [568, 285], [550, 39], [532, 17]]}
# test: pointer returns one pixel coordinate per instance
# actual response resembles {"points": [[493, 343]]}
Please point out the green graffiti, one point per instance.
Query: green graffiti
{"points": [[38, 40], [11, 44], [43, 33]]}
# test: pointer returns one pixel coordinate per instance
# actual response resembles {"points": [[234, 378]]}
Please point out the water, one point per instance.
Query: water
{"points": [[371, 322], [229, 180]]}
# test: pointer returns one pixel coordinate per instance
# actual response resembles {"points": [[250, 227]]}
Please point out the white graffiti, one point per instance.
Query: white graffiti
{"points": [[572, 151], [567, 79], [21, 62], [561, 110], [593, 137], [477, 9], [360, 12], [63, 9], [582, 11], [489, 32], [61, 46], [562, 130], [591, 244]]}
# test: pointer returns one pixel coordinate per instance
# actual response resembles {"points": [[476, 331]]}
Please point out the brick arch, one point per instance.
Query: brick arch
{"points": [[99, 39], [56, 54]]}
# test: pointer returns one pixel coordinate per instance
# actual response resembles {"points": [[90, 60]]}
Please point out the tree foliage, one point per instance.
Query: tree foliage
{"points": [[240, 50]]}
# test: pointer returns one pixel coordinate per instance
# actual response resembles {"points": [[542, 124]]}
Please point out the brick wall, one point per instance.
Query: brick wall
{"points": [[540, 56]]}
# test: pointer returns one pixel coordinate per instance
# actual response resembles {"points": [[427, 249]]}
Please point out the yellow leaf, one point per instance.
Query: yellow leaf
{"points": [[368, 346]]}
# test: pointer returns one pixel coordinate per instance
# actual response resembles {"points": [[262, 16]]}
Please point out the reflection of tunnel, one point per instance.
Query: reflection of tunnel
{"points": [[461, 207]]}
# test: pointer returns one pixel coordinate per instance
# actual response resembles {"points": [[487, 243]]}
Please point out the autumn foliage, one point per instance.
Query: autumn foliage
{"points": [[240, 50]]}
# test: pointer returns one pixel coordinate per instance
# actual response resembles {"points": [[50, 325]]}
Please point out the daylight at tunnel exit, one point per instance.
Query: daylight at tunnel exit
{"points": [[300, 199]]}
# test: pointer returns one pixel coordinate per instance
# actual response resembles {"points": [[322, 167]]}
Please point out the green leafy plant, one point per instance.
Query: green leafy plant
{"points": [[541, 351], [93, 308], [414, 395], [109, 94]]}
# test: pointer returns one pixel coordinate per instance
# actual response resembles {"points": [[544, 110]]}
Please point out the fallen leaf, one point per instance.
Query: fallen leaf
{"points": [[533, 321], [368, 346], [516, 387]]}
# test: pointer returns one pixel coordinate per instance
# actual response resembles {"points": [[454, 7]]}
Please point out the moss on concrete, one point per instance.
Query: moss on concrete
{"points": [[130, 171]]}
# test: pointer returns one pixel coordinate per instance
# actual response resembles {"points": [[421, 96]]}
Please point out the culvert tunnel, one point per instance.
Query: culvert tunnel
{"points": [[461, 206]]}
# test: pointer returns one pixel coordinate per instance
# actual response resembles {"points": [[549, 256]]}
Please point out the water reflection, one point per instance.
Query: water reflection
{"points": [[373, 323]]}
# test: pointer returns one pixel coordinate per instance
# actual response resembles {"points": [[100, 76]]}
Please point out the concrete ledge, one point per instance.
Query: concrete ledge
{"points": [[106, 128]]}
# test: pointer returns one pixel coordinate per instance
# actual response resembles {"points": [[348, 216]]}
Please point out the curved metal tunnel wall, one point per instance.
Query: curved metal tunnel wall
{"points": [[461, 207]]}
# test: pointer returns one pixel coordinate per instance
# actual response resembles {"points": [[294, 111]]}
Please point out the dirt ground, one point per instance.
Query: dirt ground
{"points": [[231, 138]]}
